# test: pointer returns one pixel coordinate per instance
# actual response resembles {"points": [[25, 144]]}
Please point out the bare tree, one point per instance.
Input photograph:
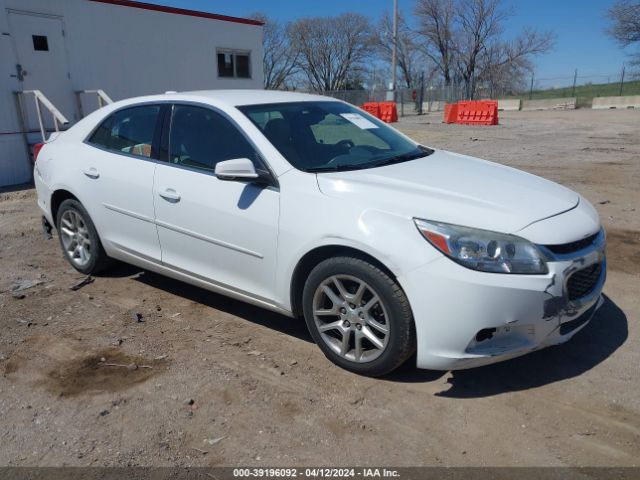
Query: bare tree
{"points": [[436, 24], [503, 64], [332, 49], [480, 50], [464, 38], [625, 28], [480, 23], [376, 77], [279, 58], [410, 57]]}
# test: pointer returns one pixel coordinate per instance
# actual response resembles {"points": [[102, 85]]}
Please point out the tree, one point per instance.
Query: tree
{"points": [[464, 38], [480, 22], [436, 25], [376, 77], [481, 52], [625, 28], [513, 58], [332, 50], [279, 58], [411, 60]]}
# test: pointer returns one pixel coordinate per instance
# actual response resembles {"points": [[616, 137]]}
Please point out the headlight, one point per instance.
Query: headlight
{"points": [[482, 249]]}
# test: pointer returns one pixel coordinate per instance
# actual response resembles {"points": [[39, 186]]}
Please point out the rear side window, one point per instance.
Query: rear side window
{"points": [[128, 131], [200, 138]]}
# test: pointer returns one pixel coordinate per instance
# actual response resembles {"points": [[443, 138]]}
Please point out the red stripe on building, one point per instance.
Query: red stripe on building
{"points": [[179, 11]]}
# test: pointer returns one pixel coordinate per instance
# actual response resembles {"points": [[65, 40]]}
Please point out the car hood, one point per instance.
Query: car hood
{"points": [[453, 188]]}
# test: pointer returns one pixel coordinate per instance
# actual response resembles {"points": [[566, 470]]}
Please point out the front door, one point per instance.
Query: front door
{"points": [[224, 232], [42, 63]]}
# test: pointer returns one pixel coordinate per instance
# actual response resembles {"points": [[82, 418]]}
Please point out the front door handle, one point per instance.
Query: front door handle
{"points": [[91, 172], [170, 195]]}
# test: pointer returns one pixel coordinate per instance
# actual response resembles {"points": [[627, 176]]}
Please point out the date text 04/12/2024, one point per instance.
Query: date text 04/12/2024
{"points": [[315, 473]]}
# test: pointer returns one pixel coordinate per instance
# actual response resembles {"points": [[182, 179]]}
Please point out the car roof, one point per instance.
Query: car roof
{"points": [[253, 97], [235, 98]]}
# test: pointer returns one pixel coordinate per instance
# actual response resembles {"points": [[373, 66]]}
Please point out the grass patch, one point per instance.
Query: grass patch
{"points": [[585, 93]]}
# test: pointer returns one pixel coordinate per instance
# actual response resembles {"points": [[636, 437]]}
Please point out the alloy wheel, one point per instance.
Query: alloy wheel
{"points": [[75, 238], [351, 318]]}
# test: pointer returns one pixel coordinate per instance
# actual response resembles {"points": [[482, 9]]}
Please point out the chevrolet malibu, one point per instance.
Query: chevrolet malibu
{"points": [[313, 208]]}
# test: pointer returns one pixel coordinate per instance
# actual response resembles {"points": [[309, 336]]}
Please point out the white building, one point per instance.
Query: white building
{"points": [[124, 48]]}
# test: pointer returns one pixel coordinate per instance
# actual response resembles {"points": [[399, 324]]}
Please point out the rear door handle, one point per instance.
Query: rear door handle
{"points": [[91, 172], [170, 195]]}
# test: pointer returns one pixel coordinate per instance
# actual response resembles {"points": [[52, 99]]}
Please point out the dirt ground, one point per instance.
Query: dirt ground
{"points": [[231, 384]]}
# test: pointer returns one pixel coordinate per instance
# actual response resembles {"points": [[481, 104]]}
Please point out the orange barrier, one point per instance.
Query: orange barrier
{"points": [[388, 112], [478, 113], [373, 108], [450, 112], [484, 112]]}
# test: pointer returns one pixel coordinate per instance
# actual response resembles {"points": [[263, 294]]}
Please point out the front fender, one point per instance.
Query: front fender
{"points": [[392, 240]]}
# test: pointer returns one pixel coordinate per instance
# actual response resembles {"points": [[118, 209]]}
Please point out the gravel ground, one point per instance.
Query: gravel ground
{"points": [[220, 382]]}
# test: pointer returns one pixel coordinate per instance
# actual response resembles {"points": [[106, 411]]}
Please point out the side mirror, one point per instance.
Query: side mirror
{"points": [[236, 169]]}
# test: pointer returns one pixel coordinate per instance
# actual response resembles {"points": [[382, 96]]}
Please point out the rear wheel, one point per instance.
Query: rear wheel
{"points": [[79, 239], [359, 316]]}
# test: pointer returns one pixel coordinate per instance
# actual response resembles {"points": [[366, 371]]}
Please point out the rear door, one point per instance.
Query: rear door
{"points": [[116, 179], [224, 232]]}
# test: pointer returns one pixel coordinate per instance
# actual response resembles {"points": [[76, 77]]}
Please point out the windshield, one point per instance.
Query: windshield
{"points": [[330, 136]]}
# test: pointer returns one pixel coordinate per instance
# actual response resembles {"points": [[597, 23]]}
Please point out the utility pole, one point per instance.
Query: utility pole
{"points": [[394, 53], [575, 78], [622, 79]]}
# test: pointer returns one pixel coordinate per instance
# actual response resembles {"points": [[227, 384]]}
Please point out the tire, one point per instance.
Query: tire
{"points": [[329, 320], [72, 218]]}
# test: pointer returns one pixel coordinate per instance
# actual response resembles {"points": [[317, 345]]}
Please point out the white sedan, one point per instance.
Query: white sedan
{"points": [[311, 207]]}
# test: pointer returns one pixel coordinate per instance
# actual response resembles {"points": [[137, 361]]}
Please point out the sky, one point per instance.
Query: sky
{"points": [[579, 26]]}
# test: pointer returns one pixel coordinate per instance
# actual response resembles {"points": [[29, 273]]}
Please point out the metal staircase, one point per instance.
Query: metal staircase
{"points": [[43, 104], [102, 97], [59, 120]]}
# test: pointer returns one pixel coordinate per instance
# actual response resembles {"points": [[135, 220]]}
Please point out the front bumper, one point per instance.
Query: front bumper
{"points": [[465, 318]]}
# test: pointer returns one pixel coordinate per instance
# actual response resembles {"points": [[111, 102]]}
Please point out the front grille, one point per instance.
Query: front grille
{"points": [[583, 281], [573, 246]]}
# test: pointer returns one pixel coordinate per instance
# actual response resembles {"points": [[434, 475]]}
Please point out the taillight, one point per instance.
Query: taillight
{"points": [[36, 150]]}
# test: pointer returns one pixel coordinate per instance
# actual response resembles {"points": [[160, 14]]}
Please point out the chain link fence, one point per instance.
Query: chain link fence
{"points": [[431, 97], [411, 101]]}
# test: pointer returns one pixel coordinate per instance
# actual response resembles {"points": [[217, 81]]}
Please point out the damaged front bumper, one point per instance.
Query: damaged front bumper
{"points": [[466, 318]]}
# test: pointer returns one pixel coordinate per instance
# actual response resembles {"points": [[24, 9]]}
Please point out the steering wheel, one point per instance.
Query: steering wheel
{"points": [[348, 144], [358, 153]]}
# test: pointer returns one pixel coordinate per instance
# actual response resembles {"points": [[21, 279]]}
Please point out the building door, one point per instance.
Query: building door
{"points": [[42, 63]]}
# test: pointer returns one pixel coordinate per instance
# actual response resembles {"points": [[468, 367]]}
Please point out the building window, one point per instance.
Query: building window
{"points": [[242, 66], [233, 64], [40, 43]]}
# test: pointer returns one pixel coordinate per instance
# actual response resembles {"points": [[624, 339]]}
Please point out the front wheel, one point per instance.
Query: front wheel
{"points": [[359, 316]]}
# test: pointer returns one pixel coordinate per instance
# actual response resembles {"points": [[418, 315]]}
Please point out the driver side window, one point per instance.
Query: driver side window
{"points": [[200, 138]]}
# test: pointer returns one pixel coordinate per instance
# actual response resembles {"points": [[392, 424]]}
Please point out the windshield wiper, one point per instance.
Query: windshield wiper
{"points": [[420, 153], [423, 152], [336, 168]]}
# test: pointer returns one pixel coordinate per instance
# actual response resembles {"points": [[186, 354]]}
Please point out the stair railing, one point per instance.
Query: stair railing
{"points": [[103, 99], [40, 101]]}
